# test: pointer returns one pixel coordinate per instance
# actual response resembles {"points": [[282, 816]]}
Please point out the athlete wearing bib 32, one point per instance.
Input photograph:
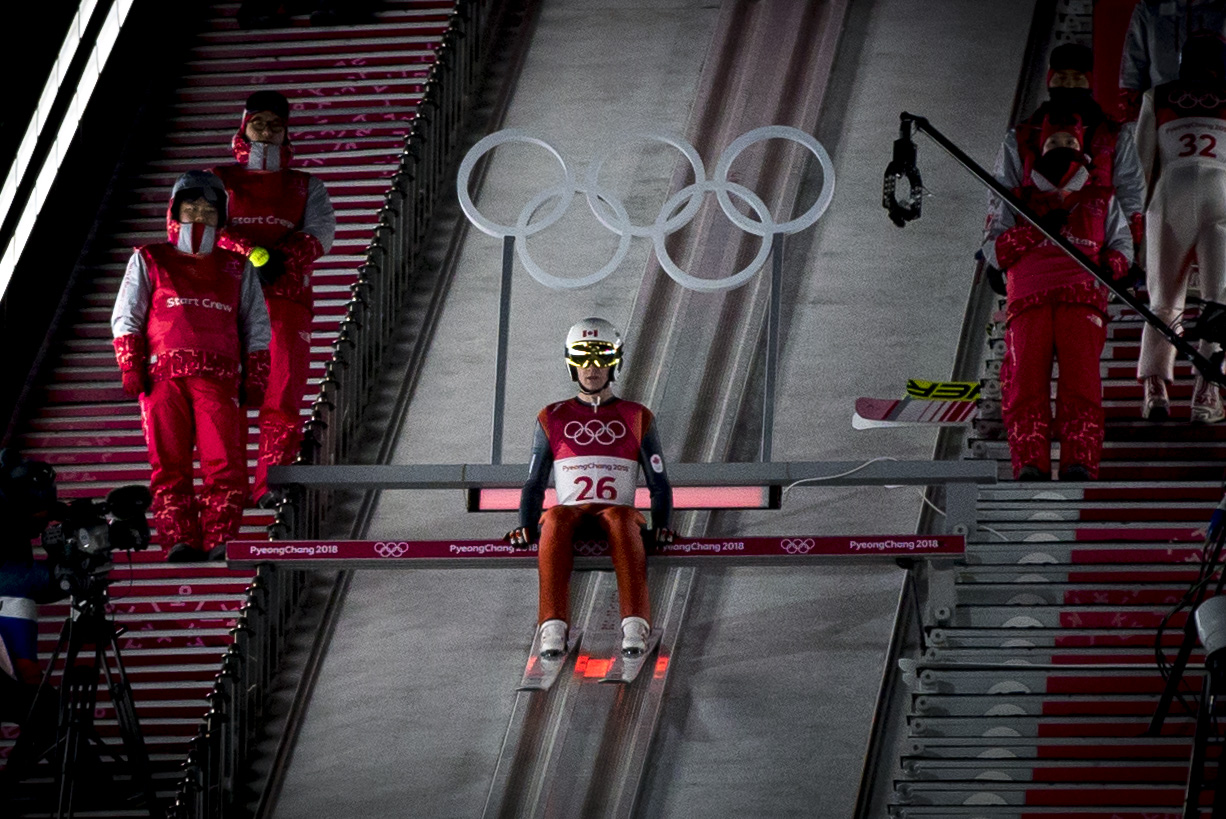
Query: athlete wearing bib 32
{"points": [[593, 445], [1181, 136]]}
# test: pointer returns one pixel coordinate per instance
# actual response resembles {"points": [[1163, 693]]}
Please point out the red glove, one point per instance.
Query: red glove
{"points": [[1129, 104], [1136, 225], [1117, 263], [255, 378], [131, 355], [1015, 243]]}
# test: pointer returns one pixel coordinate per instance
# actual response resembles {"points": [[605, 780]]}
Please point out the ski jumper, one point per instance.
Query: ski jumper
{"points": [[594, 454], [1181, 135], [195, 325], [1156, 36], [1054, 308], [286, 211]]}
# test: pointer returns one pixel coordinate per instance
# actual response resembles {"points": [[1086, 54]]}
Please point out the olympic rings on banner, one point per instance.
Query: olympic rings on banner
{"points": [[799, 546], [676, 213]]}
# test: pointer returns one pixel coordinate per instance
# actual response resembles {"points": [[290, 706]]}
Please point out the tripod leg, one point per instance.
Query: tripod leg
{"points": [[78, 699], [37, 738], [129, 729]]}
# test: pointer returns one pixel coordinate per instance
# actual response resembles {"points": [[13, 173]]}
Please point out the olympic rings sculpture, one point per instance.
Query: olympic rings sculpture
{"points": [[675, 214], [595, 431]]}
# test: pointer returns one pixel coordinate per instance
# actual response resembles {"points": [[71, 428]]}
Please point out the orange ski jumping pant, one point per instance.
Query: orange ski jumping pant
{"points": [[556, 557]]}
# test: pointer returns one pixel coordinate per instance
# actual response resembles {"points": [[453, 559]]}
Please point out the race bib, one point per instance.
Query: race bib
{"points": [[595, 479], [1193, 138]]}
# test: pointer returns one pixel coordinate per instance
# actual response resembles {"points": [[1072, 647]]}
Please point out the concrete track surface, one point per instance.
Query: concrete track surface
{"points": [[771, 689]]}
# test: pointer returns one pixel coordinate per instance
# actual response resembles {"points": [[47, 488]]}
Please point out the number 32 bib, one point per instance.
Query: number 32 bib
{"points": [[595, 450], [1191, 123]]}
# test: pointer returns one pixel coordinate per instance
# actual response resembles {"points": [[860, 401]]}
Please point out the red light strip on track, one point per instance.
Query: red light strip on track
{"points": [[684, 497]]}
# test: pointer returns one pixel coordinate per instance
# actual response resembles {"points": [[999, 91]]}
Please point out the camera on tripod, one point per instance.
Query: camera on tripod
{"points": [[86, 531]]}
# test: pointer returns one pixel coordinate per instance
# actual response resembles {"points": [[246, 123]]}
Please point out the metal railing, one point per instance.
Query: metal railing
{"points": [[220, 754]]}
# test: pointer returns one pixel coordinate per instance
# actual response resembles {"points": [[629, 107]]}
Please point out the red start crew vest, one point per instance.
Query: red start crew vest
{"points": [[1046, 267], [1191, 122], [264, 206], [595, 450], [195, 301]]}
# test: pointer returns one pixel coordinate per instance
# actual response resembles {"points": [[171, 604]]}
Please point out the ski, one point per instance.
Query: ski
{"points": [[942, 390], [873, 413], [626, 667], [542, 672]]}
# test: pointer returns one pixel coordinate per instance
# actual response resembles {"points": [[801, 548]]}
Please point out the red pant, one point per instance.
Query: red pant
{"points": [[179, 415], [280, 421], [1074, 334], [556, 558]]}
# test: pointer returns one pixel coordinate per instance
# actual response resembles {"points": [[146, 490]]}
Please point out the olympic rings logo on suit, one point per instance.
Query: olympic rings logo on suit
{"points": [[798, 546], [611, 212], [1190, 100], [391, 549], [594, 432]]}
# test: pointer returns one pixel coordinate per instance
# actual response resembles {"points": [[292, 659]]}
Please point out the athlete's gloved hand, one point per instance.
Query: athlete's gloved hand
{"points": [[520, 537], [1136, 226], [272, 269], [662, 536]]}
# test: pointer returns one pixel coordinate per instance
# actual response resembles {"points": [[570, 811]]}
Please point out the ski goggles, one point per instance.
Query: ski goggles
{"points": [[593, 354]]}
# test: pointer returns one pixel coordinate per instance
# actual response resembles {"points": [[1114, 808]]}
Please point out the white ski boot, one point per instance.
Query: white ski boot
{"points": [[1155, 406], [1206, 402], [634, 635], [553, 638]]}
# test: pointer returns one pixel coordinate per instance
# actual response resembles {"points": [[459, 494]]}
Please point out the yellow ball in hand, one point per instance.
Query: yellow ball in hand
{"points": [[258, 256]]}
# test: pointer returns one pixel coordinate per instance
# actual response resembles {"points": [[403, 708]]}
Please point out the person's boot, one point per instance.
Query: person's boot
{"points": [[634, 635], [553, 638], [183, 553], [1206, 402], [1155, 406]]}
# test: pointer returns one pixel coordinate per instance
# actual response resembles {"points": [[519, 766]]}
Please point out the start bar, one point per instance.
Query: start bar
{"points": [[422, 554]]}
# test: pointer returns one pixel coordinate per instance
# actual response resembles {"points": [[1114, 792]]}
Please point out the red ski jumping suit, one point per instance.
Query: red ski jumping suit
{"points": [[595, 453]]}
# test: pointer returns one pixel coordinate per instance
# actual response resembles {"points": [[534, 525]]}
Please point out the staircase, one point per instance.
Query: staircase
{"points": [[1031, 697], [354, 93]]}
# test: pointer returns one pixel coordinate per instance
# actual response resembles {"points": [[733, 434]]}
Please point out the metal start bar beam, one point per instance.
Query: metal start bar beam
{"points": [[467, 554], [804, 473]]}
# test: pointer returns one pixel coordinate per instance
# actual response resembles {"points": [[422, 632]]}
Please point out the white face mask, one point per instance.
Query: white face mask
{"points": [[196, 238], [264, 156]]}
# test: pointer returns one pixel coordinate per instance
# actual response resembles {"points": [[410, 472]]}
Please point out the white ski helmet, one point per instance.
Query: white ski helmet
{"points": [[593, 342]]}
